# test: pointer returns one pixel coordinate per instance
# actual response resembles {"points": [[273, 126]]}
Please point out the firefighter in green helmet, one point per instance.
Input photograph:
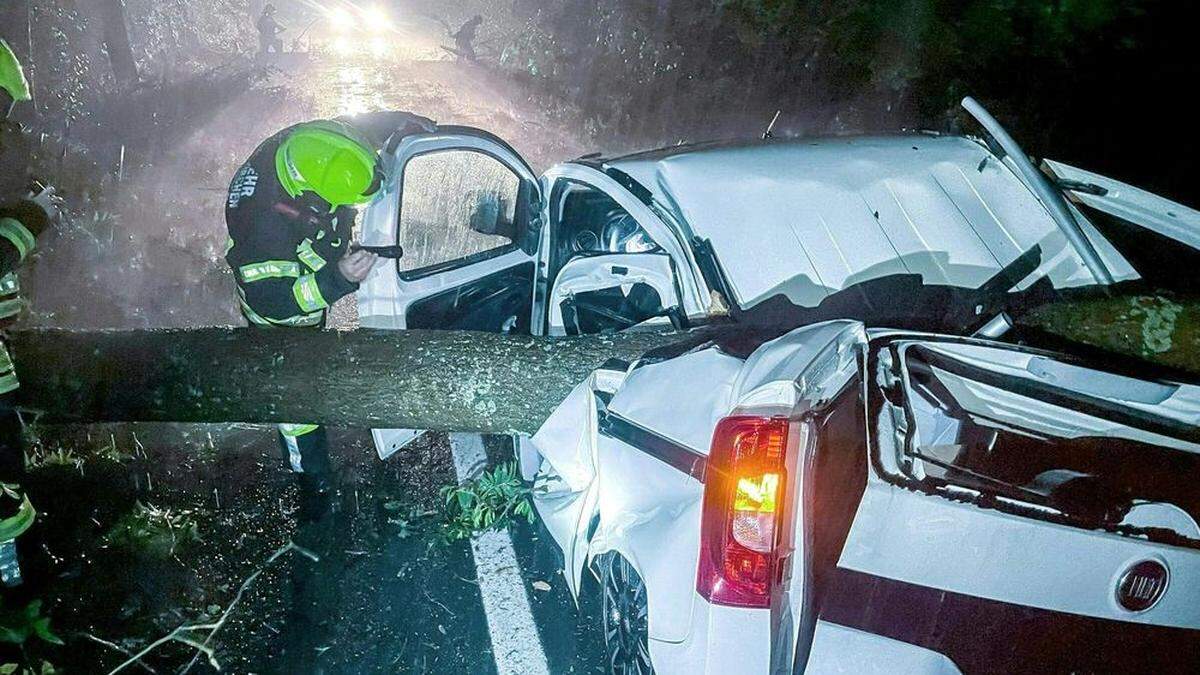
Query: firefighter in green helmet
{"points": [[24, 214], [290, 214]]}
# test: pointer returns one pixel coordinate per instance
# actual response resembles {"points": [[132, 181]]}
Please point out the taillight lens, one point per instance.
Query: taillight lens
{"points": [[743, 492]]}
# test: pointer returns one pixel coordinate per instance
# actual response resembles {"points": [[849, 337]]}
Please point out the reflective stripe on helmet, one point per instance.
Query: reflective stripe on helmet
{"points": [[270, 269], [308, 294], [19, 235]]}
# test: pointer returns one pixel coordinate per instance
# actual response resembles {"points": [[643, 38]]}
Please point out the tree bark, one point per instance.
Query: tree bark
{"points": [[439, 380], [1157, 328], [116, 41]]}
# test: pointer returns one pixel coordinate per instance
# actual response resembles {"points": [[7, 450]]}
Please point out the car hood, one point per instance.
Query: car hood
{"points": [[806, 219]]}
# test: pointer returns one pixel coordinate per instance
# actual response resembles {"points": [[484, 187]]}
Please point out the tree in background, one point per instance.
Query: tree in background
{"points": [[1092, 81]]}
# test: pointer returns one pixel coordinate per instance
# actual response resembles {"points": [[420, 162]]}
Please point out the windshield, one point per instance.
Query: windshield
{"points": [[1046, 438]]}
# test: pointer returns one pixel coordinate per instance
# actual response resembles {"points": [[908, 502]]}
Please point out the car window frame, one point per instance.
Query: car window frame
{"points": [[521, 212], [695, 293]]}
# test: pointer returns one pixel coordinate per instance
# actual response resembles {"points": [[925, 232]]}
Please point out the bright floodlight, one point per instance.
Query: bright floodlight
{"points": [[341, 19], [343, 46], [377, 18]]}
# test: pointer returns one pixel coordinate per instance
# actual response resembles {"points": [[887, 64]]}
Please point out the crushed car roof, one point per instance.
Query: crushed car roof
{"points": [[807, 218]]}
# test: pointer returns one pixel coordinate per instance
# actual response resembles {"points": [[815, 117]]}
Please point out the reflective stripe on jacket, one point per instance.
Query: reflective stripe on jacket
{"points": [[280, 248]]}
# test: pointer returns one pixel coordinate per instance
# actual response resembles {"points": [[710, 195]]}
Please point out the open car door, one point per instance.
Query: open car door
{"points": [[466, 209], [1148, 229]]}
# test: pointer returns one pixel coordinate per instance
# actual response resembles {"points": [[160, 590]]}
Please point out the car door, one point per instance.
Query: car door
{"points": [[612, 292], [466, 208], [1147, 228]]}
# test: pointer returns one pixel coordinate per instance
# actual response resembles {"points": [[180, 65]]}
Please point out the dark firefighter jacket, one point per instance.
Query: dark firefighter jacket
{"points": [[284, 251], [20, 224]]}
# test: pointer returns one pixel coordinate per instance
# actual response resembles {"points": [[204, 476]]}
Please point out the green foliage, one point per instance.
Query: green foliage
{"points": [[487, 502], [40, 456], [40, 453], [153, 532], [660, 67], [17, 626], [44, 668]]}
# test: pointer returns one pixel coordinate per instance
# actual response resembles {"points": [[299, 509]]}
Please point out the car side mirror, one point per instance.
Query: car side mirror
{"points": [[489, 216]]}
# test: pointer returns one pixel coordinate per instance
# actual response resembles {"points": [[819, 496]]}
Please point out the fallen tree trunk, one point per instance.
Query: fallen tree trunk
{"points": [[440, 380], [1157, 328]]}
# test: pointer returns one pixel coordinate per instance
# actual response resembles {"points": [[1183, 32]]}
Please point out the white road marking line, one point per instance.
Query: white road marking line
{"points": [[516, 645]]}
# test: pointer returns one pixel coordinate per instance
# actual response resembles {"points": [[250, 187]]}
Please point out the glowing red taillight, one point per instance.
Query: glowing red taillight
{"points": [[743, 491]]}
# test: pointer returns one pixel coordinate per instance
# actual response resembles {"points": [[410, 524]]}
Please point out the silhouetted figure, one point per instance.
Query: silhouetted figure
{"points": [[464, 38], [268, 32]]}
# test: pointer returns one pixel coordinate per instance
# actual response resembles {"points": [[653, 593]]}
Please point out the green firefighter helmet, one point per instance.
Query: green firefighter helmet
{"points": [[12, 76], [332, 160]]}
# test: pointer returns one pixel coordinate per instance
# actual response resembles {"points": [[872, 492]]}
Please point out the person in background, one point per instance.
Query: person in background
{"points": [[464, 38], [268, 32]]}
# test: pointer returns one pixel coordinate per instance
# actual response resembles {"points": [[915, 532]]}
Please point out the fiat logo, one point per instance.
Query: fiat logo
{"points": [[1142, 585]]}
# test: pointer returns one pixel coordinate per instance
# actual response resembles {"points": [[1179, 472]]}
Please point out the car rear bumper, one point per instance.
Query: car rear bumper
{"points": [[733, 640], [721, 640], [838, 649]]}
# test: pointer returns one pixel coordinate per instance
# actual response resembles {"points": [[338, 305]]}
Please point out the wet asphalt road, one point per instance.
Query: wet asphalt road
{"points": [[403, 603]]}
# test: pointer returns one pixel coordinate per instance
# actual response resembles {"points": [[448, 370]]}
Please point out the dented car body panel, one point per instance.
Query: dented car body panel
{"points": [[952, 537], [899, 532], [809, 218]]}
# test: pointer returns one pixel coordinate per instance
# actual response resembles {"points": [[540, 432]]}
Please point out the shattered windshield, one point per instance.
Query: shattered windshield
{"points": [[1042, 437]]}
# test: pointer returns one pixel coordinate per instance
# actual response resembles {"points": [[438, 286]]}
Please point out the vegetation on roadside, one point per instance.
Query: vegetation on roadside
{"points": [[660, 71], [20, 626], [154, 532], [488, 502]]}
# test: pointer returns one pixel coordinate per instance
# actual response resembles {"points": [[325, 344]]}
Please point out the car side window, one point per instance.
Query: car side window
{"points": [[455, 205], [590, 222]]}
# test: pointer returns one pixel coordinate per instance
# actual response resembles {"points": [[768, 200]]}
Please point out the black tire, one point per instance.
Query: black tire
{"points": [[624, 614]]}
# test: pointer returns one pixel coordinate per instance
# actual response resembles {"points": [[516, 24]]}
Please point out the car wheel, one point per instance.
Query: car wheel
{"points": [[624, 613]]}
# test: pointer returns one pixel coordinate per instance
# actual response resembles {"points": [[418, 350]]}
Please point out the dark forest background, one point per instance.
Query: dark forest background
{"points": [[1106, 84], [1102, 83]]}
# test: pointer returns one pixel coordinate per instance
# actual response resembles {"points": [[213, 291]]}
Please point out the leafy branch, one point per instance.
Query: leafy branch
{"points": [[488, 502]]}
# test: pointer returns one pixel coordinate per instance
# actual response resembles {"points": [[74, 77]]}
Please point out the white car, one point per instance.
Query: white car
{"points": [[846, 468]]}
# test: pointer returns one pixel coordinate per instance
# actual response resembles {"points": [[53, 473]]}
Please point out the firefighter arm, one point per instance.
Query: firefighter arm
{"points": [[276, 283]]}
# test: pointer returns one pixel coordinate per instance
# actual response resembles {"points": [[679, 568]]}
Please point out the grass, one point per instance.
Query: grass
{"points": [[154, 532]]}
